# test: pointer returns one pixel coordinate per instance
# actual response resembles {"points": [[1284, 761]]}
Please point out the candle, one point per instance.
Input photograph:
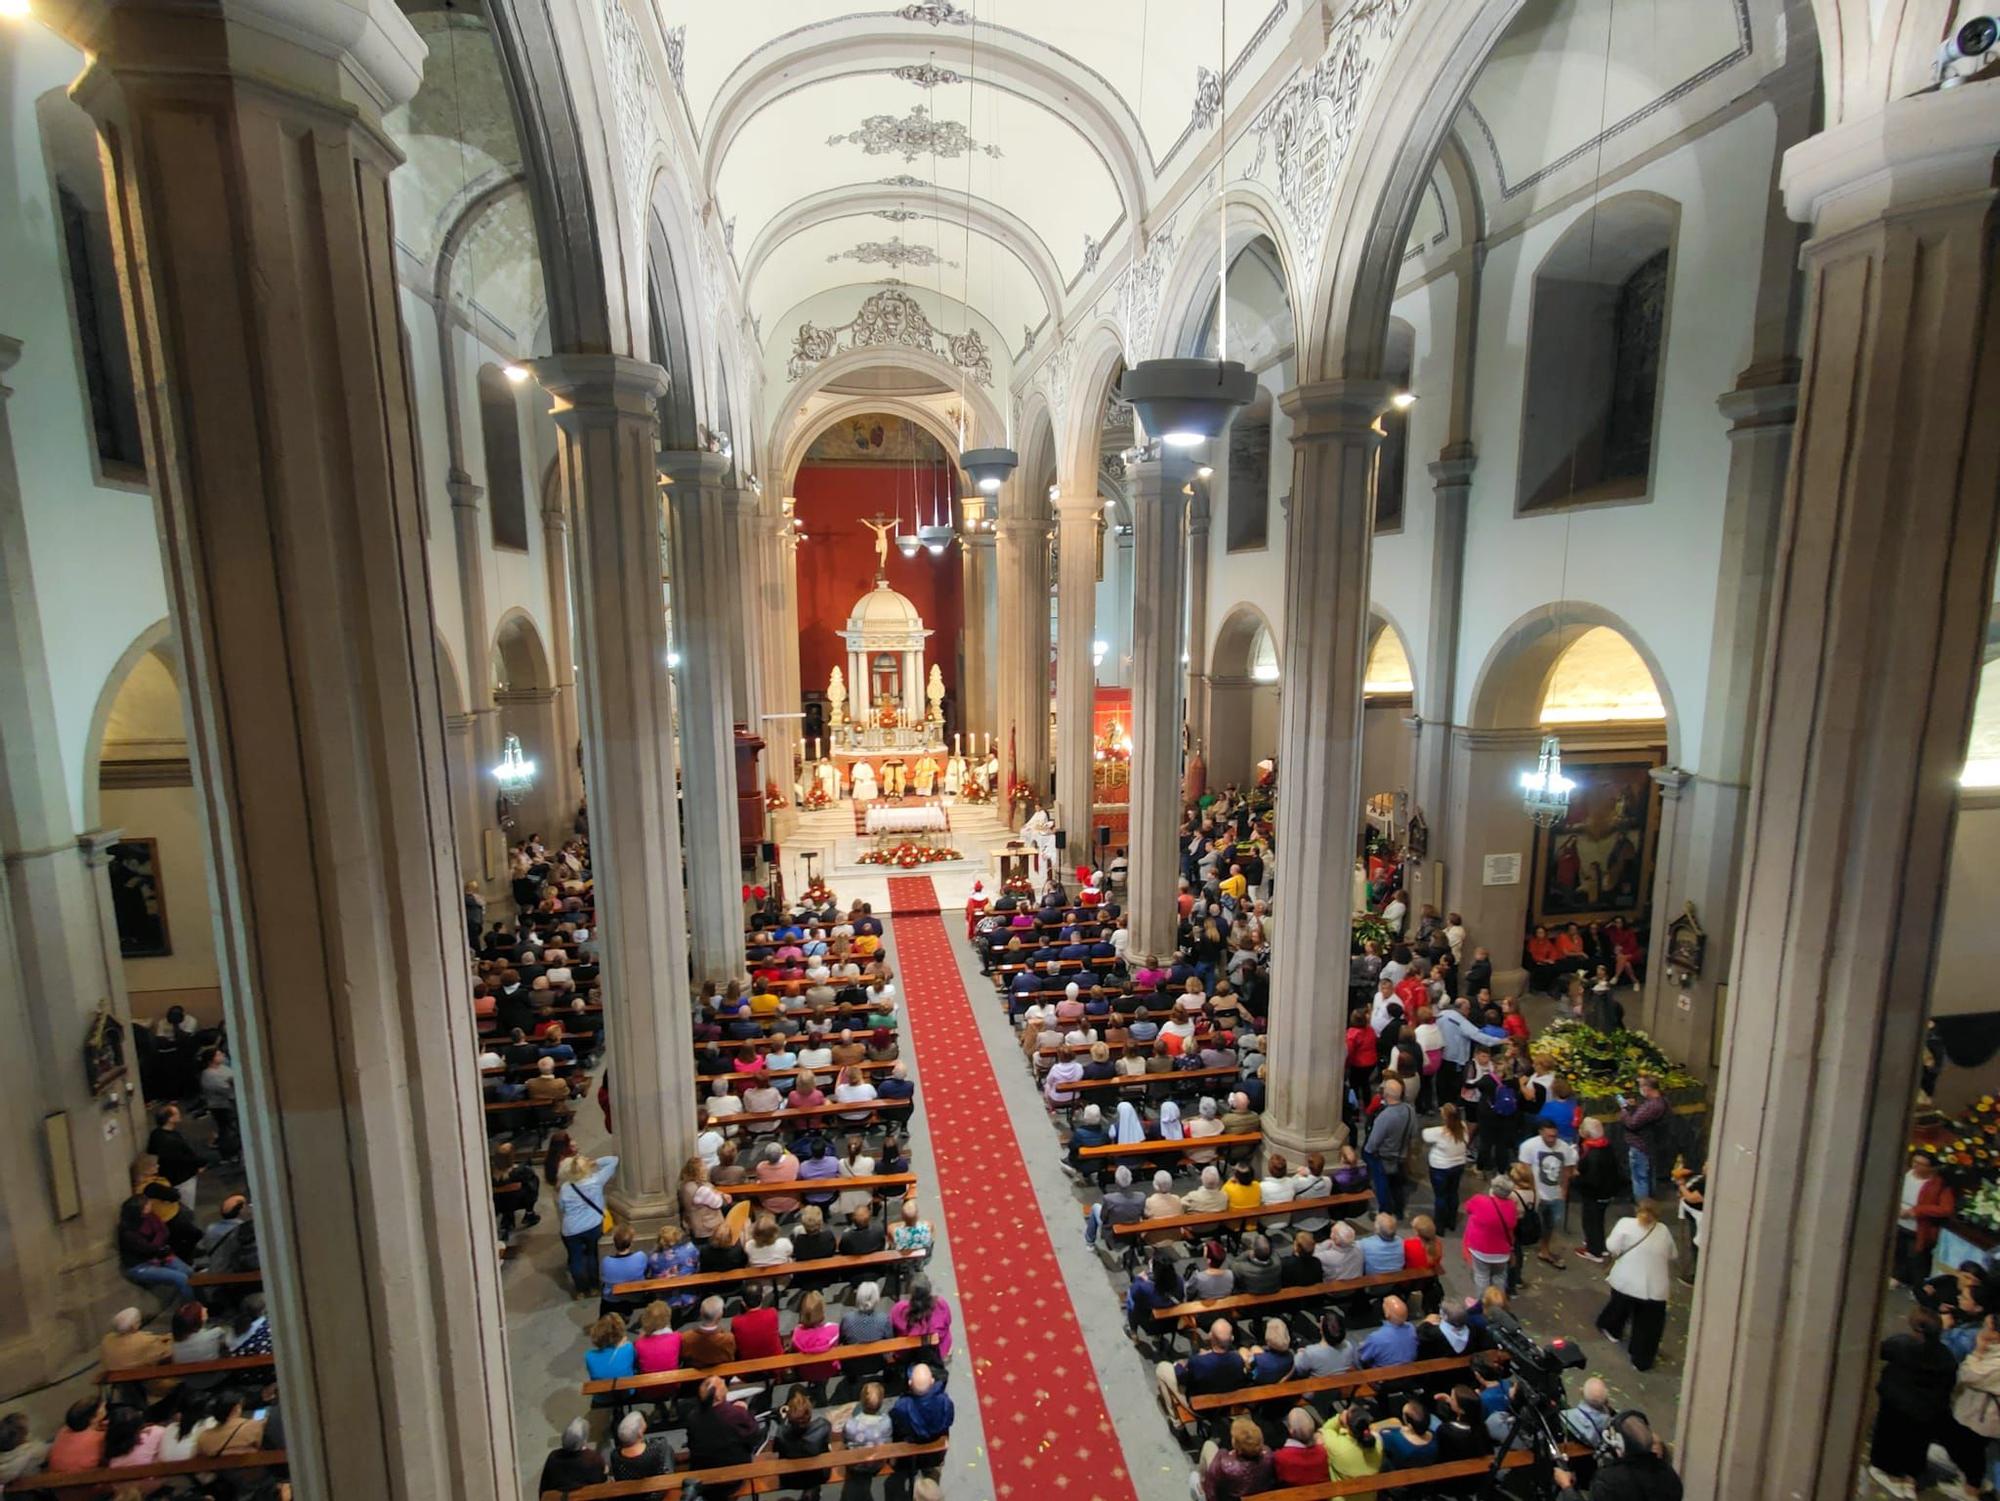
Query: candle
{"points": [[954, 742]]}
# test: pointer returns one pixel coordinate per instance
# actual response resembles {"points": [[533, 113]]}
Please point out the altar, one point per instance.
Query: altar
{"points": [[925, 818]]}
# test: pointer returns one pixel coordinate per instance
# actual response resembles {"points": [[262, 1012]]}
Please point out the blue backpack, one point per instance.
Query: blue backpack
{"points": [[1506, 1099]]}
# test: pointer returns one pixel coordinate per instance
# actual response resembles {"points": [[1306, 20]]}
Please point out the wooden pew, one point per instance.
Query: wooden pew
{"points": [[1396, 1480], [228, 1366], [701, 1282], [1207, 1308], [91, 1483], [1223, 1217], [772, 1367], [792, 1070], [763, 1474], [1223, 1143], [226, 1279], [806, 1114], [1140, 1081], [1340, 1381], [799, 1188]]}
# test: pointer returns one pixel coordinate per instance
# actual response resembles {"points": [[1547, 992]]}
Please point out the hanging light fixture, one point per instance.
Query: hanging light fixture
{"points": [[515, 773], [1545, 790], [906, 542], [1182, 402]]}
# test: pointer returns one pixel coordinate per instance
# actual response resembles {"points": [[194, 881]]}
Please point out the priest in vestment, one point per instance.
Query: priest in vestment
{"points": [[827, 774], [927, 772], [895, 777], [989, 773], [864, 786], [954, 776]]}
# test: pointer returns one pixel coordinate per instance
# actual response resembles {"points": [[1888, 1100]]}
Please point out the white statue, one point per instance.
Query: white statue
{"points": [[864, 782], [934, 691], [882, 531]]}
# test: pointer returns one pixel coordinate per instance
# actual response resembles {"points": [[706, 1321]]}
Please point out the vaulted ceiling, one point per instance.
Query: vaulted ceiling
{"points": [[986, 157]]}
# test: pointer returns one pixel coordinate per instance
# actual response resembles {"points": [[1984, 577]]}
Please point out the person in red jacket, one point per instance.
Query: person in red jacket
{"points": [[1362, 1053], [1302, 1459], [1927, 1203], [756, 1328]]}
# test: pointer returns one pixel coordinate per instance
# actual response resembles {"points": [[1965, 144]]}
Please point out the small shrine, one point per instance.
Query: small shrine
{"points": [[886, 706]]}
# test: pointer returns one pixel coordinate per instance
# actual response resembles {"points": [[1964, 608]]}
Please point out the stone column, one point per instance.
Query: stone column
{"points": [[975, 552], [462, 784], [468, 530], [1437, 685], [746, 634], [604, 411], [781, 733], [706, 592], [1335, 441], [248, 181], [1076, 678], [1021, 560], [1159, 581], [1197, 620], [565, 775], [1879, 611], [58, 967]]}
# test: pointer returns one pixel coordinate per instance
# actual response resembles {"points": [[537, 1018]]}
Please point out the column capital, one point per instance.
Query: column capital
{"points": [[695, 468], [361, 55], [463, 492], [96, 845], [1926, 149], [1084, 506], [1328, 410], [1762, 405], [1671, 780], [1454, 466], [589, 384]]}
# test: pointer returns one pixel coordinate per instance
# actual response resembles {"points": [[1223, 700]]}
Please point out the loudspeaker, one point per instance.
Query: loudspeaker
{"points": [[1104, 834], [767, 852], [1062, 839]]}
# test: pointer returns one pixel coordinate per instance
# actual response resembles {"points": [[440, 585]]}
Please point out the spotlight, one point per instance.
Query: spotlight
{"points": [[935, 539], [988, 468], [907, 545], [1402, 401], [1206, 471], [518, 374], [14, 10], [673, 659]]}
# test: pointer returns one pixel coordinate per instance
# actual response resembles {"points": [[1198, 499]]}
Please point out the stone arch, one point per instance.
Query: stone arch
{"points": [[985, 428], [1038, 466], [519, 658], [157, 639], [1381, 623], [673, 320], [806, 433], [451, 692], [1243, 702], [1508, 690], [1099, 359], [1190, 285]]}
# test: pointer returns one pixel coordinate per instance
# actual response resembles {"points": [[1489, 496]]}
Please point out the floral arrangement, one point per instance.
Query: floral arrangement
{"points": [[1982, 1207], [1370, 928], [819, 895], [1968, 1148], [973, 792], [1018, 886], [816, 796], [774, 800], [1022, 791], [908, 855], [1601, 1063]]}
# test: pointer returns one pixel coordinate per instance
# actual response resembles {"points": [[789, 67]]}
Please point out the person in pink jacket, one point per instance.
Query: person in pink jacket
{"points": [[1489, 1232]]}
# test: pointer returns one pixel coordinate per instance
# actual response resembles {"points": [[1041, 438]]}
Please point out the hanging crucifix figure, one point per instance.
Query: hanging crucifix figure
{"points": [[883, 528]]}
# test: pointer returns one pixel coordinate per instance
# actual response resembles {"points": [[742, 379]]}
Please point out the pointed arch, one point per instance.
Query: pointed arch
{"points": [[1099, 361], [158, 639]]}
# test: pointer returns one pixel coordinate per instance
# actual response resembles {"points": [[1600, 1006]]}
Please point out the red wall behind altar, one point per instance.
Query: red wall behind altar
{"points": [[836, 565]]}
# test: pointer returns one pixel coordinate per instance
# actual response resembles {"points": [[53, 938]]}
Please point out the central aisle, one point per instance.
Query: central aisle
{"points": [[1044, 1413]]}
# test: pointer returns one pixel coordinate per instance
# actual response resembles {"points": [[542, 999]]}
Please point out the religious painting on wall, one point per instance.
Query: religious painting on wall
{"points": [[136, 902], [1597, 862], [874, 438]]}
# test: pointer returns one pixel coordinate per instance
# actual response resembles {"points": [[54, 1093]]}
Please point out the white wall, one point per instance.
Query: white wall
{"points": [[1653, 565], [172, 816], [93, 547]]}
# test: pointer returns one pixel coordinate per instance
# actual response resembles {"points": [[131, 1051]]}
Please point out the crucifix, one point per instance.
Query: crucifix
{"points": [[883, 527]]}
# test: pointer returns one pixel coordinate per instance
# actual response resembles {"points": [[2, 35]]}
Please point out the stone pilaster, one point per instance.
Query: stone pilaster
{"points": [[565, 775], [775, 641], [1076, 679], [248, 182], [1437, 685], [468, 531], [1196, 650], [1878, 616], [607, 477], [976, 710], [702, 533], [1158, 477], [746, 636], [1021, 560], [1335, 441]]}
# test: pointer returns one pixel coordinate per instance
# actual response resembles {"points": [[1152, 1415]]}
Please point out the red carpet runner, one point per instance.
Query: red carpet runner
{"points": [[1047, 1430]]}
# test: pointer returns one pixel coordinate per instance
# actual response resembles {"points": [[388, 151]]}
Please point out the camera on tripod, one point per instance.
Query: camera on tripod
{"points": [[1540, 1368]]}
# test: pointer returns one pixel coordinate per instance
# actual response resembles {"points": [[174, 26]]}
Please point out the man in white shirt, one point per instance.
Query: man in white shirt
{"points": [[1278, 1185], [1385, 996], [721, 1103], [816, 1057], [1553, 1162]]}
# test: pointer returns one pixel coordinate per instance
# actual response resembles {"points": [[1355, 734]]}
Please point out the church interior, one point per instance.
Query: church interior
{"points": [[1310, 689]]}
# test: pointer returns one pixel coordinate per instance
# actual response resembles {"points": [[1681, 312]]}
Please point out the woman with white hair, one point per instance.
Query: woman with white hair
{"points": [[1209, 1198], [638, 1457], [1163, 1203], [573, 1464], [1207, 1122]]}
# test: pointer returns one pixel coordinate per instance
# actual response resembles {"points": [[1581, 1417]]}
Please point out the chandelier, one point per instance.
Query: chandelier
{"points": [[1545, 790], [515, 773]]}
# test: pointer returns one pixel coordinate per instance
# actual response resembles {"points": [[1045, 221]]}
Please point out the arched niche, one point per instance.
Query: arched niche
{"points": [[1388, 688], [524, 697], [140, 782], [1513, 683], [1246, 674]]}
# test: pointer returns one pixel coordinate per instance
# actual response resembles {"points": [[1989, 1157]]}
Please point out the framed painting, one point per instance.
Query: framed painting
{"points": [[1597, 862], [136, 900]]}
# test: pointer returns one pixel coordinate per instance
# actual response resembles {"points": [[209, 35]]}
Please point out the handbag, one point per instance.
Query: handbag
{"points": [[609, 1223], [1613, 1261]]}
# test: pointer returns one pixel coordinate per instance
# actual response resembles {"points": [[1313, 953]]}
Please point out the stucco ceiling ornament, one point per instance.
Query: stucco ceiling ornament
{"points": [[890, 317], [912, 136], [1207, 97], [1056, 378], [893, 253], [925, 75], [905, 180], [897, 215], [1139, 287], [936, 13], [677, 38], [1027, 340], [632, 85], [1093, 252], [1308, 129]]}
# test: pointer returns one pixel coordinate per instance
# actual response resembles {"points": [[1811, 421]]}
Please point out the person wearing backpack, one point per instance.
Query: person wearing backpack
{"points": [[1490, 1219]]}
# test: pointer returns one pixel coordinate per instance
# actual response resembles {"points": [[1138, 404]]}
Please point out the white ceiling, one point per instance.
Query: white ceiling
{"points": [[1056, 121]]}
